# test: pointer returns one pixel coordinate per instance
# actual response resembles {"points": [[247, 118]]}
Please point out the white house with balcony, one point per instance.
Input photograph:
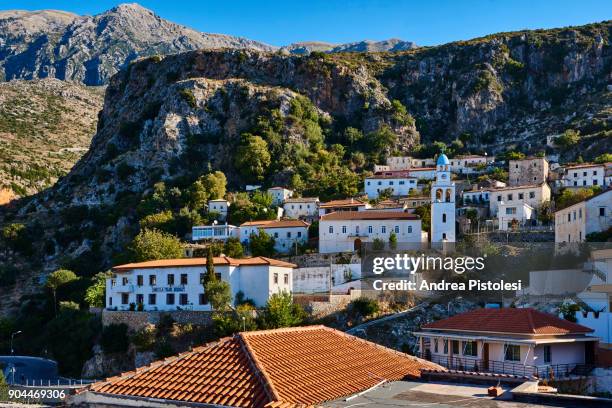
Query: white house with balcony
{"points": [[398, 185], [286, 233], [533, 194], [476, 196], [220, 232], [279, 195], [523, 342], [584, 175], [177, 284], [219, 206], [347, 231], [514, 215]]}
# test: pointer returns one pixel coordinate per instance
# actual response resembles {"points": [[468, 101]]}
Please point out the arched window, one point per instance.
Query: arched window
{"points": [[448, 195], [443, 217], [444, 235], [439, 194]]}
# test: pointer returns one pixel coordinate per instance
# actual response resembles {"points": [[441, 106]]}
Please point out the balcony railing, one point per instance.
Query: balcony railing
{"points": [[508, 367]]}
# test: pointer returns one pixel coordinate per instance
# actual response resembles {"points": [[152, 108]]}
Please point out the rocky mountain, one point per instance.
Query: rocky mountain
{"points": [[391, 45], [91, 49], [315, 123], [45, 127]]}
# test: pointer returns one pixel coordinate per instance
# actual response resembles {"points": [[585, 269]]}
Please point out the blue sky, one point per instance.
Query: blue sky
{"points": [[424, 22]]}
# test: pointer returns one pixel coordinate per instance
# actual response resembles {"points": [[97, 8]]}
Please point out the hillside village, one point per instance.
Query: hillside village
{"points": [[214, 245]]}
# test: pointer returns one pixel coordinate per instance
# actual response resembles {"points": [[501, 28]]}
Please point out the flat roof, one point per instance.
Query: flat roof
{"points": [[370, 215]]}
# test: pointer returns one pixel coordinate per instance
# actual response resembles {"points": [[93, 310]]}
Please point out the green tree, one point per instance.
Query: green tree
{"points": [[152, 244], [262, 244], [515, 156], [219, 295], [16, 235], [253, 157], [424, 212], [163, 221], [352, 136], [215, 183], [57, 279], [393, 241], [3, 388], [568, 139], [569, 197], [604, 158], [378, 244], [280, 311], [115, 338], [95, 294], [364, 306], [233, 248], [210, 266], [239, 320]]}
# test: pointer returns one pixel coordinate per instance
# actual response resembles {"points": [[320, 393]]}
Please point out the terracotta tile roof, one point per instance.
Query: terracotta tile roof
{"points": [[584, 166], [369, 215], [389, 176], [187, 262], [302, 200], [525, 186], [276, 224], [349, 202], [525, 321], [292, 367]]}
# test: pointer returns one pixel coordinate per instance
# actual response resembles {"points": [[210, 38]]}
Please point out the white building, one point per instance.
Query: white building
{"points": [[423, 173], [219, 206], [286, 233], [348, 204], [534, 195], [345, 231], [443, 203], [469, 164], [398, 185], [584, 175], [574, 223], [510, 216], [279, 195], [301, 208], [220, 232], [406, 162], [475, 196], [173, 284]]}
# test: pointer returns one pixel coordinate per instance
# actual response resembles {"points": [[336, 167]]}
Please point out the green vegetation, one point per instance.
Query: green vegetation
{"points": [[115, 338], [57, 279], [280, 311], [364, 307], [152, 244], [604, 158], [570, 197], [568, 139], [94, 295], [262, 244], [187, 95], [253, 157]]}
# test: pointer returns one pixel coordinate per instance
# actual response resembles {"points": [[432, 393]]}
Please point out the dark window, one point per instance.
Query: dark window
{"points": [[110, 301], [152, 298], [125, 298], [513, 353], [139, 299], [531, 194], [602, 211], [455, 345], [470, 348], [203, 300], [286, 279], [202, 278], [183, 299], [170, 298], [276, 278], [443, 217], [521, 196], [171, 279], [152, 280], [498, 198], [183, 278], [140, 280], [218, 275], [547, 354]]}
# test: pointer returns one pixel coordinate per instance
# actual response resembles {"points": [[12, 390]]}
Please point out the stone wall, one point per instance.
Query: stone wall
{"points": [[322, 305], [138, 320]]}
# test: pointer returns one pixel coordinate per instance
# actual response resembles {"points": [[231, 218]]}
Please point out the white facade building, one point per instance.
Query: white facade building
{"points": [[511, 215], [475, 196], [176, 284], [286, 233], [404, 163], [398, 185], [574, 223], [346, 231], [585, 175], [219, 206], [220, 232], [279, 195], [423, 173], [534, 195], [469, 164], [443, 203], [301, 208], [348, 204]]}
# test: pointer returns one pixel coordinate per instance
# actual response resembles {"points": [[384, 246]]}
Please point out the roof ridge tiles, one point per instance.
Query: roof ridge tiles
{"points": [[258, 369]]}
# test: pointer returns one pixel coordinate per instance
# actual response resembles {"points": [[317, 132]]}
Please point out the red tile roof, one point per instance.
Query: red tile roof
{"points": [[349, 202], [509, 320], [369, 215], [275, 224], [275, 368], [217, 260]]}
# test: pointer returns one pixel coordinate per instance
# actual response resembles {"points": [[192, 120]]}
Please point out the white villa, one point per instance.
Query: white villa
{"points": [[511, 215], [286, 233], [220, 232], [345, 231], [584, 175], [398, 185], [522, 342], [302, 208], [534, 195], [574, 223], [279, 195], [468, 164], [475, 196], [176, 284], [423, 173], [219, 206]]}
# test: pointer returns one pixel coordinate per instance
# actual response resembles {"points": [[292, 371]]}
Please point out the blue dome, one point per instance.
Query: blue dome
{"points": [[442, 160]]}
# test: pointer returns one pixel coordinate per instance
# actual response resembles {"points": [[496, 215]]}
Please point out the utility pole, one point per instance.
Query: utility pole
{"points": [[12, 336]]}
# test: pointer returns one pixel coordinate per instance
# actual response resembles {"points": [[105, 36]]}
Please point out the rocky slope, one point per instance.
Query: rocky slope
{"points": [[90, 49], [176, 117], [391, 45], [45, 127]]}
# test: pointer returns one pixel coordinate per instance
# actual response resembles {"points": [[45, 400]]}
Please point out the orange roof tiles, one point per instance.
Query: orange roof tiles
{"points": [[525, 321], [217, 260], [369, 215], [349, 202], [276, 224], [274, 368]]}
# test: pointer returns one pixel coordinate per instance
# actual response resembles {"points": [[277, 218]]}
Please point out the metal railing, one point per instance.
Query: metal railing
{"points": [[508, 367]]}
